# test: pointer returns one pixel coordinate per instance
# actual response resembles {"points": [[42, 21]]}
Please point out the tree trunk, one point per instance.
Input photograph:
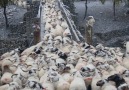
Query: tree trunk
{"points": [[85, 10], [114, 9], [6, 19], [126, 3]]}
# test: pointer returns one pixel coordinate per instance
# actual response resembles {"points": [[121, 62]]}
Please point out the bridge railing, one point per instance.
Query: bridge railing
{"points": [[76, 33]]}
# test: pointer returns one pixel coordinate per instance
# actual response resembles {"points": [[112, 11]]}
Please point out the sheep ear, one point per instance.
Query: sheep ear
{"points": [[124, 72]]}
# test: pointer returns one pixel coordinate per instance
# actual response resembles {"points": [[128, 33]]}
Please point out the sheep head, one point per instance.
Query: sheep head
{"points": [[117, 78], [126, 73]]}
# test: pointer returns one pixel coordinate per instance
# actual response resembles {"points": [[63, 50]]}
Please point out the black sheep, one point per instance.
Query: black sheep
{"points": [[119, 81]]}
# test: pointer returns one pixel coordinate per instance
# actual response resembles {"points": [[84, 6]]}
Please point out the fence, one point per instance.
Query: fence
{"points": [[75, 33]]}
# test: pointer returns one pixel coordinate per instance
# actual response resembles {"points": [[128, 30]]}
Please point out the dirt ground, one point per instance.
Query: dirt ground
{"points": [[103, 15], [15, 16]]}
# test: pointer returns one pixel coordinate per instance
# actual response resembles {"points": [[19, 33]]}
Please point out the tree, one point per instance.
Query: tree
{"points": [[85, 10], [126, 3], [114, 6], [3, 4]]}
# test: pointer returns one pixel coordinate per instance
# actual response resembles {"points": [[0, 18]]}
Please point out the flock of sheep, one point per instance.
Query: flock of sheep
{"points": [[60, 63]]}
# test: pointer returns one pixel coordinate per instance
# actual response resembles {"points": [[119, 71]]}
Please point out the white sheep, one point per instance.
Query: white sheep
{"points": [[4, 87], [14, 86], [67, 32], [81, 62], [6, 78], [95, 79], [75, 85], [6, 63], [58, 31], [48, 27], [62, 84], [126, 62], [119, 68], [28, 51], [64, 25], [127, 49]]}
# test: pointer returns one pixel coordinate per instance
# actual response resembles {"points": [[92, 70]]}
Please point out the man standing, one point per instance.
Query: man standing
{"points": [[89, 28]]}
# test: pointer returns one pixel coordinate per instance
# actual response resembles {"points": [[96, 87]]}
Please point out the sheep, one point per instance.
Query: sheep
{"points": [[105, 85], [24, 4], [64, 25], [88, 70], [58, 38], [5, 55], [127, 49], [11, 53], [95, 79], [125, 75], [72, 60], [119, 81], [22, 70], [4, 87], [119, 68], [67, 77], [60, 63], [57, 31], [67, 40], [62, 84], [48, 79], [17, 78], [81, 62], [28, 51], [66, 48], [58, 81], [45, 81], [63, 56], [41, 72], [105, 74], [48, 26], [34, 85], [6, 78], [75, 85], [14, 86], [33, 78], [48, 86], [7, 62], [58, 43], [126, 62]]}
